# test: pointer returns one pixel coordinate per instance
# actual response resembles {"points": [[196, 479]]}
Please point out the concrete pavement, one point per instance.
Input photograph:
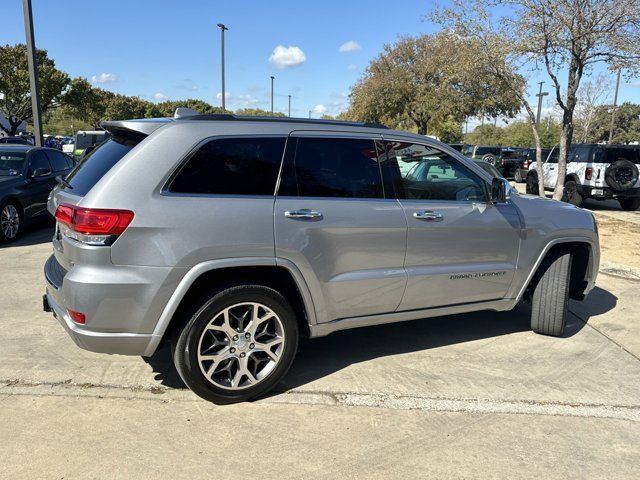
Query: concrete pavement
{"points": [[469, 396]]}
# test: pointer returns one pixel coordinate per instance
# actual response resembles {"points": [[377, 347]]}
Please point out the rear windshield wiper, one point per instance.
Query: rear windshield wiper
{"points": [[63, 182]]}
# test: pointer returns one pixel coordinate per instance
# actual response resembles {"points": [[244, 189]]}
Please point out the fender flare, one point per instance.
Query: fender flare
{"points": [[197, 270], [592, 269]]}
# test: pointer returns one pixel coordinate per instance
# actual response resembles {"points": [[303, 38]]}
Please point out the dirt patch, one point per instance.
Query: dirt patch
{"points": [[619, 240]]}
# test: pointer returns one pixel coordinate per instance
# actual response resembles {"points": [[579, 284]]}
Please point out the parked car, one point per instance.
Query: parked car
{"points": [[486, 153], [27, 176], [509, 160], [230, 237], [600, 172], [14, 141], [489, 168], [528, 158], [457, 146]]}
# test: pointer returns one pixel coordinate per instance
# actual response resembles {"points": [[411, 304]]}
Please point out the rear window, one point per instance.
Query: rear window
{"points": [[611, 155], [232, 166], [95, 165]]}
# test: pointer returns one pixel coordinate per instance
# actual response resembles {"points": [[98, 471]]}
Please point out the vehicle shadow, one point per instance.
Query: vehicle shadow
{"points": [[317, 358], [35, 234]]}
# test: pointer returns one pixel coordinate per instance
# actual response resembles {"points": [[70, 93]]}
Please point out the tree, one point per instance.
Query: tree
{"points": [[15, 103], [428, 80], [168, 108], [258, 112], [626, 128], [569, 37], [122, 107], [86, 103], [592, 94]]}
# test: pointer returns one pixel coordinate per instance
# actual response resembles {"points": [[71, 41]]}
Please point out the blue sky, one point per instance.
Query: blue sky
{"points": [[171, 49]]}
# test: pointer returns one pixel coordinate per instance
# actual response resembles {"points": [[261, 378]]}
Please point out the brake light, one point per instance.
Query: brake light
{"points": [[94, 226], [77, 317], [525, 164], [588, 173]]}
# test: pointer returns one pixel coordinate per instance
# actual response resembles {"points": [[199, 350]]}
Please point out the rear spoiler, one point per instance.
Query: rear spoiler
{"points": [[144, 126]]}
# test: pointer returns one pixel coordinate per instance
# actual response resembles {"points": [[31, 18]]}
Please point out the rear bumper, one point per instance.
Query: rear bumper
{"points": [[587, 192], [101, 342], [122, 304]]}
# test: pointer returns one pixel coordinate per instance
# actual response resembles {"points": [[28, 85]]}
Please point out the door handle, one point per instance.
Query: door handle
{"points": [[428, 215], [304, 213]]}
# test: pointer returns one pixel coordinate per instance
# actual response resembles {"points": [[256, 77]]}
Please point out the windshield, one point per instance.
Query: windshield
{"points": [[11, 163]]}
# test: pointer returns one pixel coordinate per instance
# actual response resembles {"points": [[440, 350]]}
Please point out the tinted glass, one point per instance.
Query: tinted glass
{"points": [[485, 150], [94, 166], [336, 167], [232, 166], [58, 161], [613, 154], [579, 154], [420, 172], [11, 163], [39, 160], [490, 169]]}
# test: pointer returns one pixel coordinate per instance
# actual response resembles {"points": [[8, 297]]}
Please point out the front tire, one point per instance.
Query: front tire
{"points": [[629, 204], [551, 295], [238, 345], [10, 222]]}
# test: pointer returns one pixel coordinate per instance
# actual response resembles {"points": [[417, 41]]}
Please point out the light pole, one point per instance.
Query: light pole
{"points": [[222, 29], [309, 113], [33, 72], [289, 106], [540, 95], [272, 77], [615, 103]]}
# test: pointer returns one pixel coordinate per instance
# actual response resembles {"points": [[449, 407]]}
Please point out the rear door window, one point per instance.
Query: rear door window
{"points": [[613, 154], [39, 160], [333, 167], [232, 166], [57, 160], [95, 165]]}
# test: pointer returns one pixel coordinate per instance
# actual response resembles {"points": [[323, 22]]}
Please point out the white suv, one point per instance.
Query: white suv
{"points": [[600, 172]]}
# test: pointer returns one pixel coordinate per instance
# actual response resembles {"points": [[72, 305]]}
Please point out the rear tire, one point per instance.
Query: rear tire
{"points": [[551, 295], [10, 221], [532, 185], [222, 358], [518, 176], [629, 204], [571, 193]]}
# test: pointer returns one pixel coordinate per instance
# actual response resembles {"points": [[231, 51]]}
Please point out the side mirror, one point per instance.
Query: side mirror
{"points": [[500, 190], [41, 172]]}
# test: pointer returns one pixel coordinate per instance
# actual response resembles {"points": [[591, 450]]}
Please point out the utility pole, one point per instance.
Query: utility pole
{"points": [[289, 106], [309, 113], [33, 72], [222, 29], [540, 95], [615, 103], [272, 77]]}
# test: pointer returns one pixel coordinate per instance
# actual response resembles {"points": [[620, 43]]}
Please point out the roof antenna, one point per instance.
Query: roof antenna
{"points": [[184, 112]]}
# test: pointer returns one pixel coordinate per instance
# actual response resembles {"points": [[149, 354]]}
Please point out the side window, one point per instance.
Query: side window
{"points": [[581, 154], [334, 167], [420, 172], [232, 166], [57, 161], [39, 160]]}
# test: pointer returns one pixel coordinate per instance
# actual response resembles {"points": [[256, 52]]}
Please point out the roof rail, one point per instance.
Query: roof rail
{"points": [[251, 118]]}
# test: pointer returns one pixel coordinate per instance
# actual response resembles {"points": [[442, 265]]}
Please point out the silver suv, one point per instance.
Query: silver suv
{"points": [[232, 237]]}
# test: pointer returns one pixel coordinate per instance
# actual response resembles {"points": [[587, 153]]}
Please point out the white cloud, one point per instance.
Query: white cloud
{"points": [[227, 95], [246, 100], [352, 67], [349, 46], [161, 97], [286, 57], [319, 109], [104, 78]]}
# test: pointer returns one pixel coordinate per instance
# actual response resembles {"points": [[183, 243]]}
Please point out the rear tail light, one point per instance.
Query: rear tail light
{"points": [[525, 164], [93, 226], [588, 173], [77, 317]]}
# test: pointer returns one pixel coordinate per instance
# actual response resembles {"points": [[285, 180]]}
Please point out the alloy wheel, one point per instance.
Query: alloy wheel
{"points": [[241, 346], [10, 221]]}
